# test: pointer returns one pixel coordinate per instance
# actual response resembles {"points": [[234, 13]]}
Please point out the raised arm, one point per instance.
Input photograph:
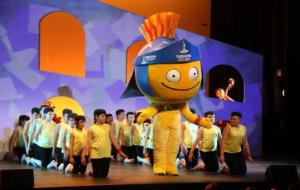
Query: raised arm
{"points": [[193, 118]]}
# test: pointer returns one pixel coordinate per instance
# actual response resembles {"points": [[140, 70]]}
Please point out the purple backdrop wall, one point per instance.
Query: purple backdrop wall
{"points": [[109, 31]]}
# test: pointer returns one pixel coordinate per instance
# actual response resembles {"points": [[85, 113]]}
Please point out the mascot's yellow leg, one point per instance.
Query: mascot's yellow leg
{"points": [[166, 142], [173, 145], [160, 139]]}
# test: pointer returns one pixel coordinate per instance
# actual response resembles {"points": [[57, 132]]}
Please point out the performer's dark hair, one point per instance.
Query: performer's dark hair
{"points": [[23, 118], [46, 110], [239, 114], [119, 111], [208, 113], [67, 111], [78, 118], [130, 113], [35, 110]]}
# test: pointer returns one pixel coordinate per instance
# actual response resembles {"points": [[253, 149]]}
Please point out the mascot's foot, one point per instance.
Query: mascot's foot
{"points": [[172, 172], [159, 171]]}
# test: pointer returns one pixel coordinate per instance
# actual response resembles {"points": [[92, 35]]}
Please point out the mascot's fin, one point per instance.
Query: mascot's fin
{"points": [[132, 89]]}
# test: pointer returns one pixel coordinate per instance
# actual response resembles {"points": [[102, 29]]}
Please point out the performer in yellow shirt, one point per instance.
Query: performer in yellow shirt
{"points": [[45, 137], [148, 144], [28, 132], [234, 138], [59, 133], [67, 167], [125, 137], [78, 146], [189, 133], [207, 140], [138, 141], [35, 160], [100, 138], [17, 143], [116, 125]]}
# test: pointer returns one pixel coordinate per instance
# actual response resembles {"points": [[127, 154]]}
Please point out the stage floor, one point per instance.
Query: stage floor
{"points": [[137, 175]]}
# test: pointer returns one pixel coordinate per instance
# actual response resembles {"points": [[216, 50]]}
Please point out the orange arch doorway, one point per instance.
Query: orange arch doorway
{"points": [[62, 44]]}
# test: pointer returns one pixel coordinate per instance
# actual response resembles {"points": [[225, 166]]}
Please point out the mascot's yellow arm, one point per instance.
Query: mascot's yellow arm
{"points": [[146, 113], [186, 112]]}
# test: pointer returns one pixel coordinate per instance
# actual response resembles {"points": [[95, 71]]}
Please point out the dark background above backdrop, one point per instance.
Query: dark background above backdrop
{"points": [[267, 27]]}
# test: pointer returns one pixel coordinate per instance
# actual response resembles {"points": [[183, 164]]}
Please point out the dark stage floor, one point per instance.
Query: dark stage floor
{"points": [[141, 177]]}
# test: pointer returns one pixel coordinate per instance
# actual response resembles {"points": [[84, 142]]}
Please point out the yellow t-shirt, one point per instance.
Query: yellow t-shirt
{"points": [[189, 134], [80, 139], [235, 139], [100, 145], [20, 139], [116, 128], [61, 134], [137, 136], [45, 139], [38, 124], [68, 131], [31, 129], [126, 135], [210, 137]]}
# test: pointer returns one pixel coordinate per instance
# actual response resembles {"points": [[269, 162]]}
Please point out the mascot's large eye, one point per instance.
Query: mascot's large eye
{"points": [[193, 73], [173, 75]]}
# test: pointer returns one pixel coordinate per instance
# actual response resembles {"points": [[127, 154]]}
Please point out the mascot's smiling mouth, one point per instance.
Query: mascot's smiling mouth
{"points": [[177, 89]]}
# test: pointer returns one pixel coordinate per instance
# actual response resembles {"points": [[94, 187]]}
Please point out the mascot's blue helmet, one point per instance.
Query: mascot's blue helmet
{"points": [[159, 31], [162, 51]]}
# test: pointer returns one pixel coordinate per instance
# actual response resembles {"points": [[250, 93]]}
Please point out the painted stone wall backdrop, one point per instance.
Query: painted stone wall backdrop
{"points": [[108, 33]]}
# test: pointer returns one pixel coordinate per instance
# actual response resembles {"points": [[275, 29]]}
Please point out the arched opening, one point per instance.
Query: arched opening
{"points": [[225, 83], [62, 44]]}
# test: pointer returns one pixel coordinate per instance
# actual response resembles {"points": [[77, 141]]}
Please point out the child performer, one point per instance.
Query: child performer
{"points": [[78, 146], [17, 144], [100, 138]]}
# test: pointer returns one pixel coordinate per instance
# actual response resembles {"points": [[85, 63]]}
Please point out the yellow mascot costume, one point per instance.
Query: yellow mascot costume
{"points": [[167, 72]]}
